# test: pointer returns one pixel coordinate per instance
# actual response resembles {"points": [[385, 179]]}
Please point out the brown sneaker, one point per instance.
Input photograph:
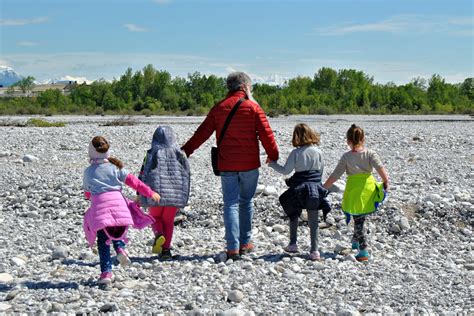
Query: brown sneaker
{"points": [[246, 248]]}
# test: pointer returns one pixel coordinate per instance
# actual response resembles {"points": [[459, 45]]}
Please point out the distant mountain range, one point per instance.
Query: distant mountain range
{"points": [[8, 76], [272, 80]]}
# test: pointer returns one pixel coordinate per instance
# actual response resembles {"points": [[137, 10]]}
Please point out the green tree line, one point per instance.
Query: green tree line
{"points": [[151, 91]]}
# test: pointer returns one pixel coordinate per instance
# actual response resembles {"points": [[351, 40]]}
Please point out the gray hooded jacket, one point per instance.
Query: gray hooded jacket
{"points": [[166, 170]]}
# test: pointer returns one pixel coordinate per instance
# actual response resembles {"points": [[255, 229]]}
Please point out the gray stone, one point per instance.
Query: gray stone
{"points": [[60, 252], [12, 294], [18, 261], [469, 266], [5, 278], [279, 228], [109, 307], [403, 223], [5, 307], [270, 190], [30, 158], [235, 296]]}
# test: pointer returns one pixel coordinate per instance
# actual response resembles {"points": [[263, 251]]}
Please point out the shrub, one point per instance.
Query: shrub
{"points": [[36, 122], [123, 121]]}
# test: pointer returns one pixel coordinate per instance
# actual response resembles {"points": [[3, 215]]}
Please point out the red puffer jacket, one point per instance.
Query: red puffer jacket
{"points": [[239, 150]]}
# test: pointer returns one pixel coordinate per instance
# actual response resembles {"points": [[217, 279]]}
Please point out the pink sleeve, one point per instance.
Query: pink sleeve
{"points": [[87, 195], [138, 186]]}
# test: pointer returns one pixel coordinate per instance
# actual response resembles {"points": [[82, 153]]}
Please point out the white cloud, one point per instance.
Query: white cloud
{"points": [[27, 43], [135, 28], [19, 22], [460, 26], [230, 69]]}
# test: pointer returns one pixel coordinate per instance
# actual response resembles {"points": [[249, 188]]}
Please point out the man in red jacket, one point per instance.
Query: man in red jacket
{"points": [[239, 157]]}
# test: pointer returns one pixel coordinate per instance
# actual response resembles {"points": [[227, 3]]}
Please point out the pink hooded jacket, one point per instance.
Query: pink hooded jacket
{"points": [[112, 209]]}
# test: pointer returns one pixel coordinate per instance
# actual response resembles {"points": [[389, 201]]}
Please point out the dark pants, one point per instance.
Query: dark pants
{"points": [[104, 250], [359, 232], [313, 229]]}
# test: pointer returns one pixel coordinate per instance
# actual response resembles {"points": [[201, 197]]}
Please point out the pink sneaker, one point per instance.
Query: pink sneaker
{"points": [[105, 278], [291, 248], [314, 256], [122, 257]]}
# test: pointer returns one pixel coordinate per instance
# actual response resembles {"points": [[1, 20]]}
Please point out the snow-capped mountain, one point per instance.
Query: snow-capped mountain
{"points": [[8, 76], [272, 80]]}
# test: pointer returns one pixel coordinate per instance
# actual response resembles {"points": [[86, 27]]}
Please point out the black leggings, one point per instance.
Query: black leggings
{"points": [[313, 229]]}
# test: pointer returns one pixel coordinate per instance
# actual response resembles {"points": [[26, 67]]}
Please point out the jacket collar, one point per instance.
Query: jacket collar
{"points": [[238, 93]]}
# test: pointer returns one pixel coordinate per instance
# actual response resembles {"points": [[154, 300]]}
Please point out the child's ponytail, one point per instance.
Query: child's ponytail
{"points": [[116, 162], [355, 135]]}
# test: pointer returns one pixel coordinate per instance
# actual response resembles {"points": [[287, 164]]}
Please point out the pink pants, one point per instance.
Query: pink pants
{"points": [[164, 222]]}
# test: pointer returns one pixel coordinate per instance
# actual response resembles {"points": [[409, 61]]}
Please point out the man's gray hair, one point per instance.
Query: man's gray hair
{"points": [[235, 81]]}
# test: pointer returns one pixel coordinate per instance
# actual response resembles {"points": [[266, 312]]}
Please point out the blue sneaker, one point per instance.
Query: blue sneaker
{"points": [[355, 245], [363, 255]]}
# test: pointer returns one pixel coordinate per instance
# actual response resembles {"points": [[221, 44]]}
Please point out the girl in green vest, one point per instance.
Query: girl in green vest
{"points": [[362, 193]]}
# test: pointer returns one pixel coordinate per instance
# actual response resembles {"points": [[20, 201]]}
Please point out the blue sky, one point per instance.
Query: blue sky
{"points": [[390, 40]]}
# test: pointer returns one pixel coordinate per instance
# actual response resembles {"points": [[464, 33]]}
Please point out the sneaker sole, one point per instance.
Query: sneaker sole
{"points": [[158, 246], [123, 260], [362, 259], [246, 251], [104, 281]]}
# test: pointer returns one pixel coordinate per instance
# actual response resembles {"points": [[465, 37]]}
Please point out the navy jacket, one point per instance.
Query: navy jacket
{"points": [[305, 192]]}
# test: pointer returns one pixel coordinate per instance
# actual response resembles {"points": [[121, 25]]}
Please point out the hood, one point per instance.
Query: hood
{"points": [[163, 137]]}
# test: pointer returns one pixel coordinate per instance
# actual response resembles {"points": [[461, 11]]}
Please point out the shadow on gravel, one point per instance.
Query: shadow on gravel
{"points": [[175, 258], [193, 257], [5, 287], [32, 285], [81, 263], [275, 257]]}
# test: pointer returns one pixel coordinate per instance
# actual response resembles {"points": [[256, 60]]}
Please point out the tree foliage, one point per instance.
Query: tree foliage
{"points": [[26, 84], [329, 91]]}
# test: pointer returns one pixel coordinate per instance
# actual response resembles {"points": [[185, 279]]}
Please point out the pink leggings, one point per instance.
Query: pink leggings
{"points": [[164, 222]]}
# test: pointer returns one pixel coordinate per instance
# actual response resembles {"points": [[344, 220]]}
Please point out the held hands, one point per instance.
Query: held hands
{"points": [[385, 186], [156, 197], [268, 161]]}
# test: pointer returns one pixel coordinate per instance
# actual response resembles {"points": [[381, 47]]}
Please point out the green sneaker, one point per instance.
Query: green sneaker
{"points": [[158, 244], [363, 255]]}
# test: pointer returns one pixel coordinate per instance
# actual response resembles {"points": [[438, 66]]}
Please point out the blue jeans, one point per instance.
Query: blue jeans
{"points": [[104, 250], [238, 189]]}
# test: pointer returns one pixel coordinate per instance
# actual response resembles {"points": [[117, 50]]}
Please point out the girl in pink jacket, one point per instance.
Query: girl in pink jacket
{"points": [[111, 213]]}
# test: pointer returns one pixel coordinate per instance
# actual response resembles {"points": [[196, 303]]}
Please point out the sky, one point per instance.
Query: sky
{"points": [[392, 41]]}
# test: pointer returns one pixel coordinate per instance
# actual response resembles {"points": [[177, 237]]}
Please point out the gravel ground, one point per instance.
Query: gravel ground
{"points": [[421, 240]]}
